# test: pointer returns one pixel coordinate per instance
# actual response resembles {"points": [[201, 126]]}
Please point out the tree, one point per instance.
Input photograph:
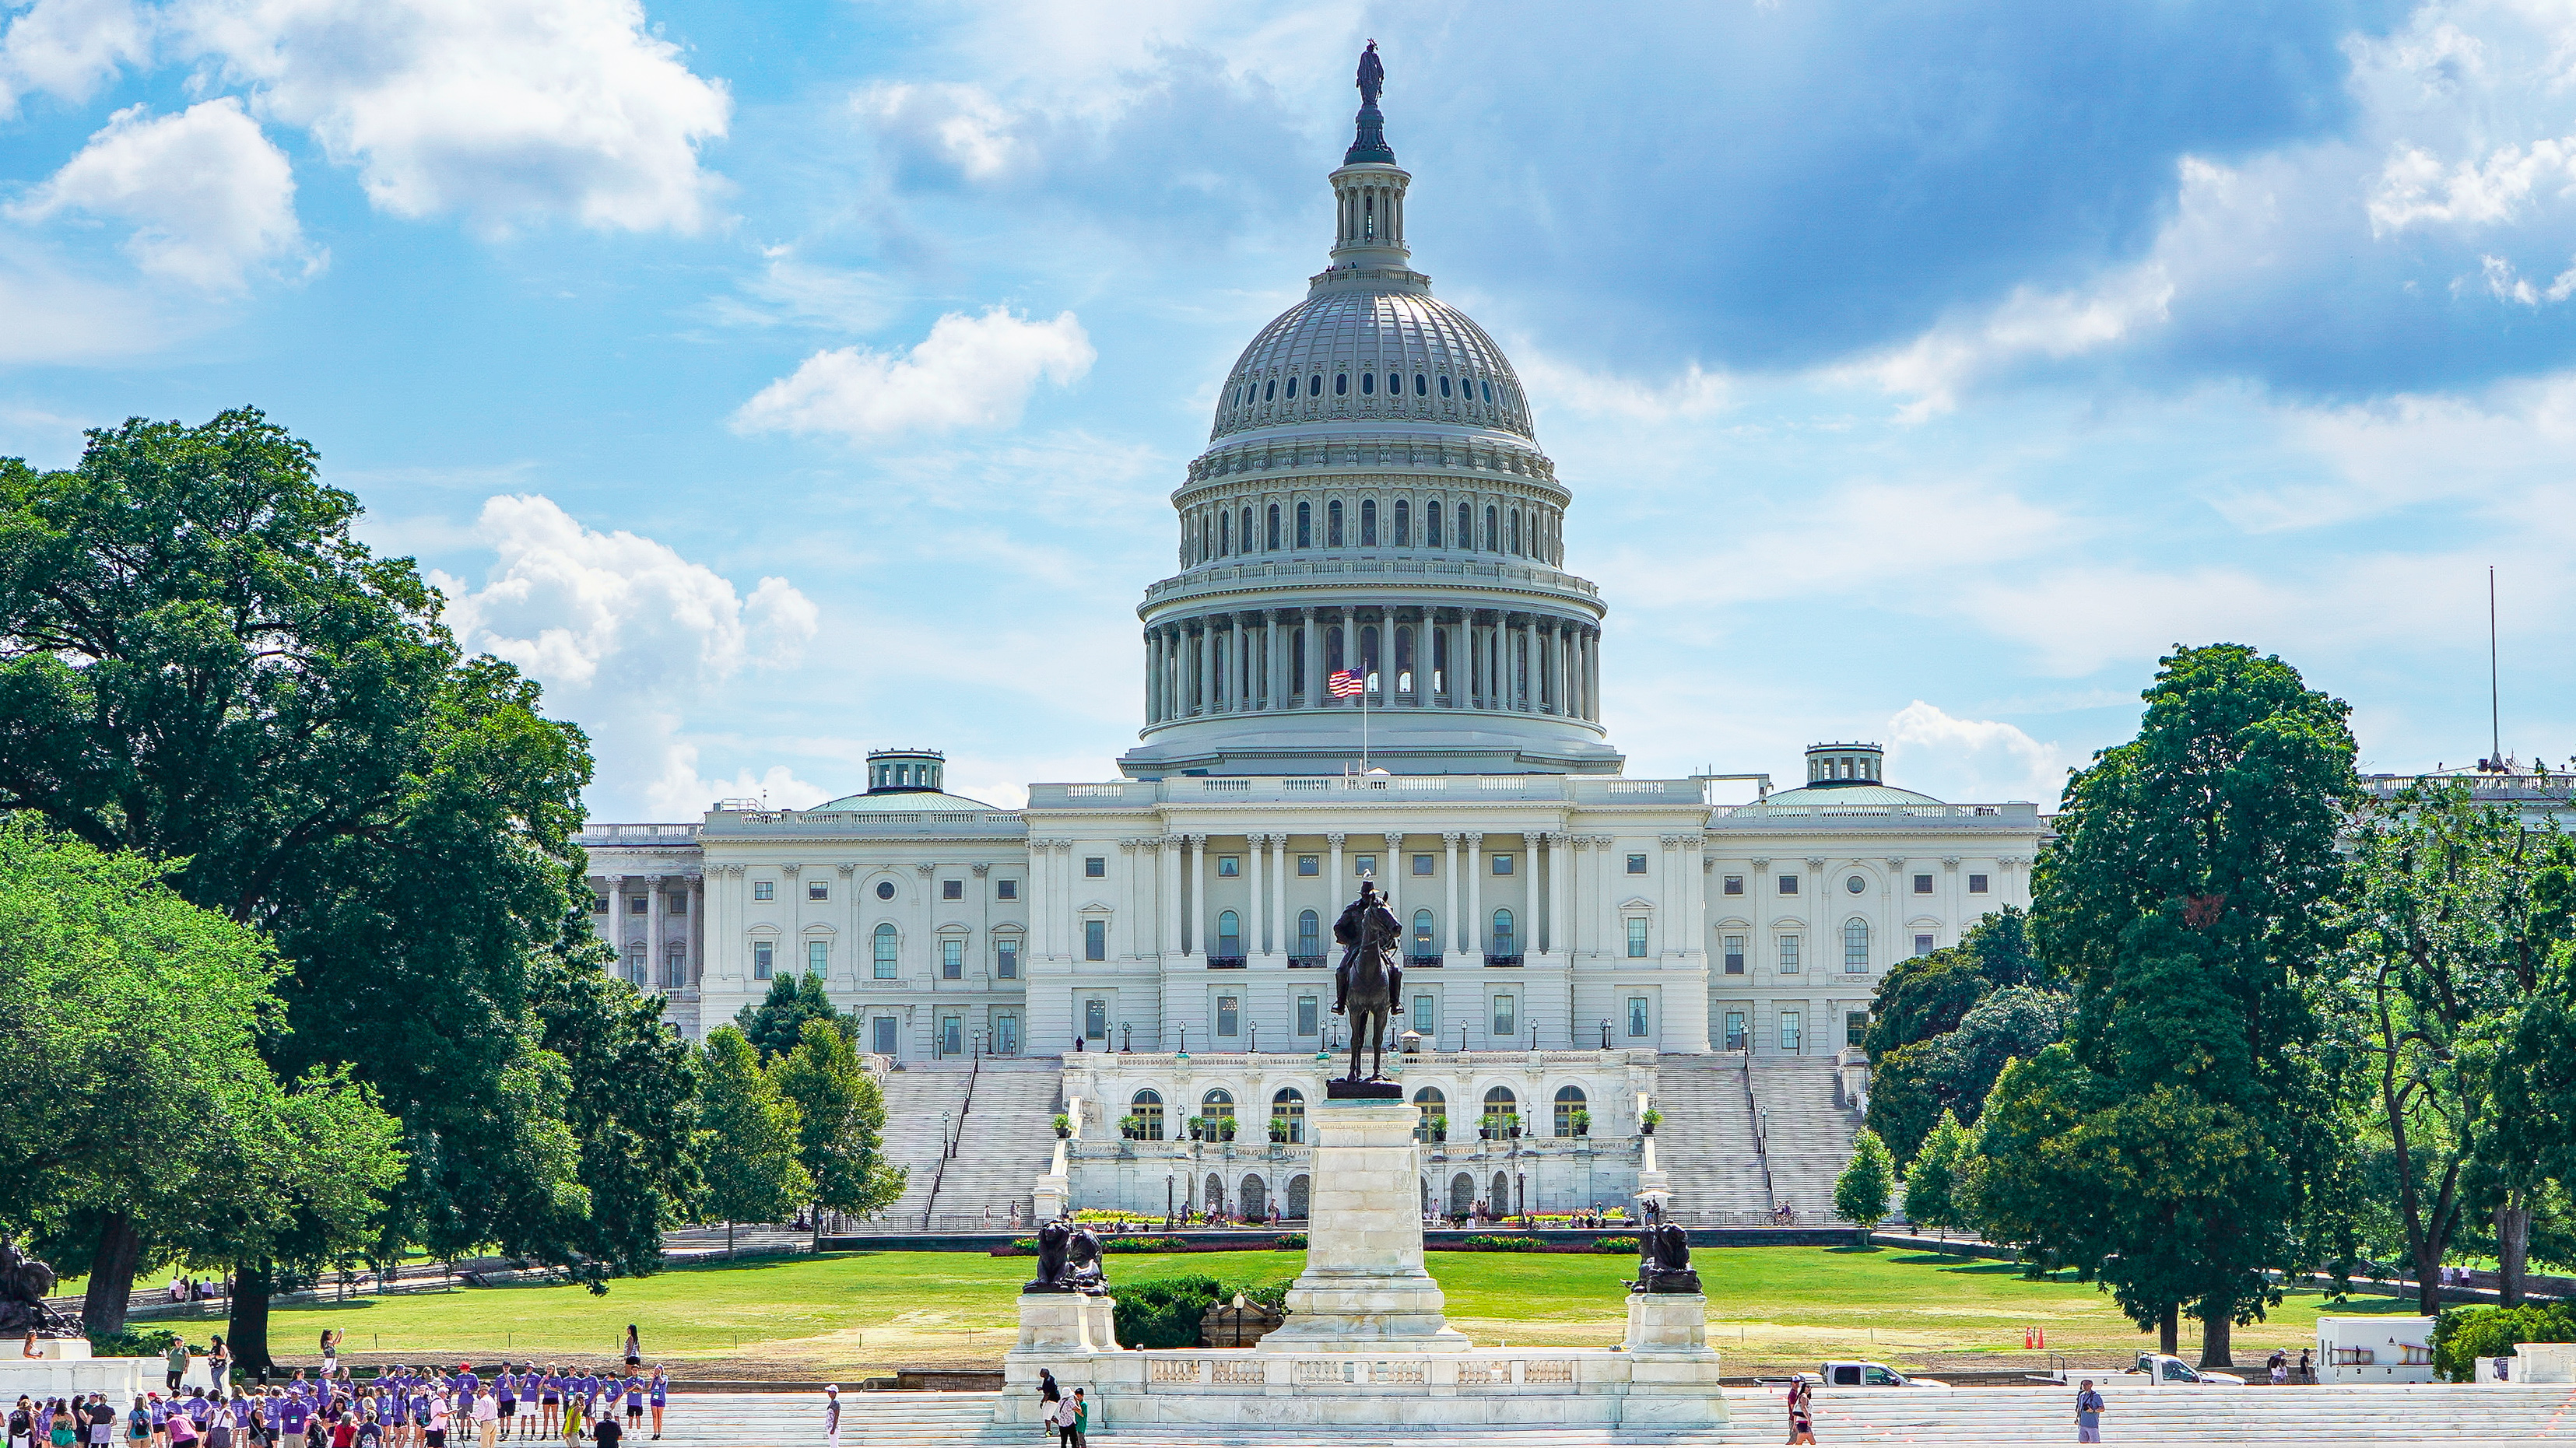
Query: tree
{"points": [[1932, 1183], [776, 1025], [1952, 1072], [2185, 896], [751, 1170], [840, 1124], [1867, 1186], [199, 662]]}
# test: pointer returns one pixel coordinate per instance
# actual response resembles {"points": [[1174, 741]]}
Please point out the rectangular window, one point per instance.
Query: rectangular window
{"points": [[1426, 1016], [1788, 884], [1095, 940], [1364, 865], [1922, 884], [1636, 937], [677, 904], [1789, 1032], [1095, 1019], [1734, 885], [818, 890], [1422, 864], [1309, 865], [1006, 959], [1923, 945], [762, 959], [818, 957], [1095, 867], [1229, 866], [952, 889], [1006, 1034], [886, 1030], [598, 904], [764, 889], [1639, 1012], [952, 1035], [1976, 884], [1229, 1018], [639, 905], [1006, 889], [1636, 864], [1307, 1019], [1502, 864], [1734, 955], [1788, 955], [1506, 1023], [1855, 1027], [952, 960], [1735, 1030]]}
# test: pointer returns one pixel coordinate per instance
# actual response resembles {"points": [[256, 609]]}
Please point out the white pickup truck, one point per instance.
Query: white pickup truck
{"points": [[2164, 1370], [1869, 1375]]}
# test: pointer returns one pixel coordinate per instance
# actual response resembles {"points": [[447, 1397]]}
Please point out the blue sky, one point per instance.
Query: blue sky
{"points": [[777, 381]]}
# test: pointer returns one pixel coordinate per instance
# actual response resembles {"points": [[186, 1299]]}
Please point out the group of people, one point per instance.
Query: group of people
{"points": [[398, 1407], [2282, 1373]]}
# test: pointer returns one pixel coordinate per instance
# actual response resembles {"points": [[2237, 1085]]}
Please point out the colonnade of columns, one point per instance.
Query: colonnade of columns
{"points": [[665, 968], [1444, 657]]}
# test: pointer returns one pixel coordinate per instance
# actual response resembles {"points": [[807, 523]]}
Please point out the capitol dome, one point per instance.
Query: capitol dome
{"points": [[1372, 546]]}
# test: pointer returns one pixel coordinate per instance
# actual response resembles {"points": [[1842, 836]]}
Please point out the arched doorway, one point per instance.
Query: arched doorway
{"points": [[1500, 1202], [1214, 1201], [1297, 1188], [1252, 1200], [1462, 1194]]}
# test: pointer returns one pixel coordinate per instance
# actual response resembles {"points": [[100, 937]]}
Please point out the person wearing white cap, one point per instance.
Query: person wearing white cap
{"points": [[832, 1416]]}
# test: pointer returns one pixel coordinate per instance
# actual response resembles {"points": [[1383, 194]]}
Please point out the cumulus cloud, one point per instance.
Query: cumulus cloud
{"points": [[2028, 325], [2416, 187], [969, 372], [1971, 760], [208, 196], [503, 111], [629, 638], [68, 48]]}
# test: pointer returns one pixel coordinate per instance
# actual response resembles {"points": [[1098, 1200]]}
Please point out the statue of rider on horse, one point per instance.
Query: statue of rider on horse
{"points": [[1368, 982]]}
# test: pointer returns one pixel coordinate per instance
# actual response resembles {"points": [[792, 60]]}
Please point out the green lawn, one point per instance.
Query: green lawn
{"points": [[848, 1315]]}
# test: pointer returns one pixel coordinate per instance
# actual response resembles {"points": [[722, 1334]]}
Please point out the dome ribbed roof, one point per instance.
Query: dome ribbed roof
{"points": [[1847, 792], [1350, 341], [901, 799]]}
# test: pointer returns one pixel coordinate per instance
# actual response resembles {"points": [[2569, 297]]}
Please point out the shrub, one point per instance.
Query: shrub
{"points": [[1293, 1241], [133, 1342], [1503, 1244], [1164, 1312], [1862, 1195], [1143, 1244], [2462, 1335], [1063, 1124], [1615, 1244]]}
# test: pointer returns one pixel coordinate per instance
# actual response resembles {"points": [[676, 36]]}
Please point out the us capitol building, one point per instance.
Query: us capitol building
{"points": [[1373, 498]]}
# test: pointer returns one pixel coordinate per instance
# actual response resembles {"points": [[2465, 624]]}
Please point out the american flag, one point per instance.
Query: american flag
{"points": [[1345, 683]]}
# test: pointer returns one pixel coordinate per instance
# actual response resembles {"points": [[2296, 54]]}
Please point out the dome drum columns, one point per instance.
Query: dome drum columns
{"points": [[1442, 657]]}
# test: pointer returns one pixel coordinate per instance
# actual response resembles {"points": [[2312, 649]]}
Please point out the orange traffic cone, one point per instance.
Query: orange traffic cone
{"points": [[2026, 1342], [2043, 1337]]}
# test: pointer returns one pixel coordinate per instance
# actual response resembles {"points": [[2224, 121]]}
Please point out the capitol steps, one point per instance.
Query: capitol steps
{"points": [[920, 1102], [1008, 1139], [1705, 1142], [918, 1420], [1808, 1132]]}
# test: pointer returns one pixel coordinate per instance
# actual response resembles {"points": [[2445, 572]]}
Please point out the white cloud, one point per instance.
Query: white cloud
{"points": [[502, 110], [628, 637], [2414, 186], [2029, 324], [67, 48], [969, 372], [681, 793], [961, 125], [790, 291], [209, 197], [1971, 760], [1688, 394]]}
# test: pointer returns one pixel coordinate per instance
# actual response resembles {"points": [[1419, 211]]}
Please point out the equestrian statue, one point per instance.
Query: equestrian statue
{"points": [[1367, 984]]}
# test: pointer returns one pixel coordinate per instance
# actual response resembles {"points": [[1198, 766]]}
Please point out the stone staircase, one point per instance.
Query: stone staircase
{"points": [[919, 1420], [1809, 1134], [914, 1100], [1008, 1139], [1705, 1142]]}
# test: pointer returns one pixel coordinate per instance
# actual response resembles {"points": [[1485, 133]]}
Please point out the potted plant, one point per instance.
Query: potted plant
{"points": [[1197, 1128], [1132, 1127], [1437, 1127], [1487, 1125], [1063, 1126], [1580, 1120], [1646, 1123], [1225, 1128], [1278, 1130], [1512, 1125]]}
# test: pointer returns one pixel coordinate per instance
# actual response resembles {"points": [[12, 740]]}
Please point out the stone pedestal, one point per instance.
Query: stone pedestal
{"points": [[63, 1349], [1672, 1371], [1667, 1321], [1067, 1322], [1364, 1289]]}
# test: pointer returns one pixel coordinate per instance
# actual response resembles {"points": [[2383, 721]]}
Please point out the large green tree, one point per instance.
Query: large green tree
{"points": [[2185, 895], [752, 1174], [1943, 1025], [776, 1024], [840, 1124], [200, 662]]}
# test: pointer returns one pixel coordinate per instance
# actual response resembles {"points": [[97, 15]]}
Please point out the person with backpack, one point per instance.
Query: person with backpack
{"points": [[2088, 1414]]}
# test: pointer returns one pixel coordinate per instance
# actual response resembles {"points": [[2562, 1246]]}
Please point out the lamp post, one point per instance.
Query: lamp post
{"points": [[1256, 1038], [1126, 1039], [1605, 1033], [1167, 1198]]}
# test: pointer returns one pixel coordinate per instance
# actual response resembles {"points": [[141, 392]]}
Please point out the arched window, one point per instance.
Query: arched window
{"points": [[1368, 522], [1305, 525], [1246, 534], [1369, 655], [1292, 389], [1271, 392], [1315, 385], [1569, 1100], [1217, 1105], [1224, 533], [1444, 385], [1516, 530], [1148, 1107], [1403, 523], [1430, 1103], [1466, 531], [1421, 385], [1856, 945], [1368, 384], [1431, 525], [1288, 1108], [1503, 932], [635, 966], [1462, 1189], [1203, 540], [1273, 534], [1493, 531], [1310, 942], [1333, 524], [1426, 936], [1341, 384], [1489, 390], [1502, 1110], [1394, 385], [1229, 935], [885, 962]]}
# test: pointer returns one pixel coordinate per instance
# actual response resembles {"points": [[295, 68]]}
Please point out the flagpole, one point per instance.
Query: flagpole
{"points": [[1364, 740]]}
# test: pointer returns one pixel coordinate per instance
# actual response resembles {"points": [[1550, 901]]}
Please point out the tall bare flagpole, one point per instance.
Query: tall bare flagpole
{"points": [[2495, 689]]}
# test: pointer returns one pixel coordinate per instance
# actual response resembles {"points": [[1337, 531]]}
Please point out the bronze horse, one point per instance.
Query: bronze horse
{"points": [[1371, 980]]}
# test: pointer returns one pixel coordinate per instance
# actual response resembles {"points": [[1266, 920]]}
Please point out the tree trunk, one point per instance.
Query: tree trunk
{"points": [[248, 1329], [2428, 1280], [111, 1276], [2169, 1331], [2217, 1333], [2513, 1252], [728, 1236]]}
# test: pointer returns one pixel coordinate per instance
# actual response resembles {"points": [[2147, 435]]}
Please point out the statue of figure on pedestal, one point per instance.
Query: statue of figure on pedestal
{"points": [[1663, 1260], [25, 1283], [1068, 1260], [1368, 982]]}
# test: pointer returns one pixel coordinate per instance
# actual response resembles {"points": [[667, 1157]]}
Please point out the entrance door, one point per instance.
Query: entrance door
{"points": [[1735, 1030], [1006, 1033], [1462, 1194], [1253, 1198], [952, 1035], [889, 1035]]}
